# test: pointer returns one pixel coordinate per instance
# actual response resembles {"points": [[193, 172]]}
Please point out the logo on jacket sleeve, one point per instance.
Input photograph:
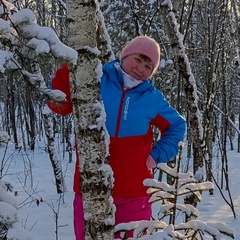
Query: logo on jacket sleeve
{"points": [[125, 112]]}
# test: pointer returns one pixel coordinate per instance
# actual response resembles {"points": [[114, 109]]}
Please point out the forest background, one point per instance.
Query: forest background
{"points": [[210, 35]]}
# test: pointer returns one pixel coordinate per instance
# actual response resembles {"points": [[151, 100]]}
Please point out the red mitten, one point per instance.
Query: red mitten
{"points": [[61, 82]]}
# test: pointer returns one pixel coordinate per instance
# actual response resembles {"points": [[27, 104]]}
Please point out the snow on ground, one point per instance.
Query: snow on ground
{"points": [[32, 178]]}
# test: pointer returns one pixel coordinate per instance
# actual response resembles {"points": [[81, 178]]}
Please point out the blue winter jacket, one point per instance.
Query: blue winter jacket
{"points": [[130, 117]]}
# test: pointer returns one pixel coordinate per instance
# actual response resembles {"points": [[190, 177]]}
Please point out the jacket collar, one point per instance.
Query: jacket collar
{"points": [[117, 76]]}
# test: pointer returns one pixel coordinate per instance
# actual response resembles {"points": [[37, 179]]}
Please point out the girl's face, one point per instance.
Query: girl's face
{"points": [[138, 66]]}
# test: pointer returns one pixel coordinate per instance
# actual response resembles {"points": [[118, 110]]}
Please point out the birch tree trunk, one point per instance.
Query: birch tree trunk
{"points": [[53, 155], [89, 117], [195, 126]]}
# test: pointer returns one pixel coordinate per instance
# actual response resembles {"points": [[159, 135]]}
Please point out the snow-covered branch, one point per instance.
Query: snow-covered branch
{"points": [[37, 81], [42, 39]]}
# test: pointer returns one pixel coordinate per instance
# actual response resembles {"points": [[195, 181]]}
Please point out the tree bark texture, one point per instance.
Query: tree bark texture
{"points": [[89, 118]]}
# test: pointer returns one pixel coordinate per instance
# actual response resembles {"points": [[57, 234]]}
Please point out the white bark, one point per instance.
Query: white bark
{"points": [[96, 179]]}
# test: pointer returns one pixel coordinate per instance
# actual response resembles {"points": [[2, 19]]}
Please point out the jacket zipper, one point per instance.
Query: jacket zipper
{"points": [[120, 111], [124, 92]]}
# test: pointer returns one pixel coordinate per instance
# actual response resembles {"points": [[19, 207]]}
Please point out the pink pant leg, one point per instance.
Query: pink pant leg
{"points": [[132, 209], [78, 216]]}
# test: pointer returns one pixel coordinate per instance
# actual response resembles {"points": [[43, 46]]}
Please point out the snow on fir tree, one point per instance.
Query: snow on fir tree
{"points": [[171, 198]]}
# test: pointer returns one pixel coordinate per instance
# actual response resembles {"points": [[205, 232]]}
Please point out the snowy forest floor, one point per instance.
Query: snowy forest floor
{"points": [[48, 215]]}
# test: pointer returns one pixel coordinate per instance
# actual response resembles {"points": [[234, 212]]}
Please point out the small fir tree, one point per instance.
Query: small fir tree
{"points": [[171, 199]]}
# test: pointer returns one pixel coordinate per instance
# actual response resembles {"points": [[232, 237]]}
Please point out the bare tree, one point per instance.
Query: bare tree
{"points": [[53, 155]]}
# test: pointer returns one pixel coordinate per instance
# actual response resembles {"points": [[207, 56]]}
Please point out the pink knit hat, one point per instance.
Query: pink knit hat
{"points": [[143, 45]]}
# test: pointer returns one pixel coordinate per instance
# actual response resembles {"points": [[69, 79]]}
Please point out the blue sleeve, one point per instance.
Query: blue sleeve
{"points": [[172, 127]]}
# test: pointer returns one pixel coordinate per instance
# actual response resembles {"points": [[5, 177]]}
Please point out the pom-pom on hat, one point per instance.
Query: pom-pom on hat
{"points": [[143, 45]]}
